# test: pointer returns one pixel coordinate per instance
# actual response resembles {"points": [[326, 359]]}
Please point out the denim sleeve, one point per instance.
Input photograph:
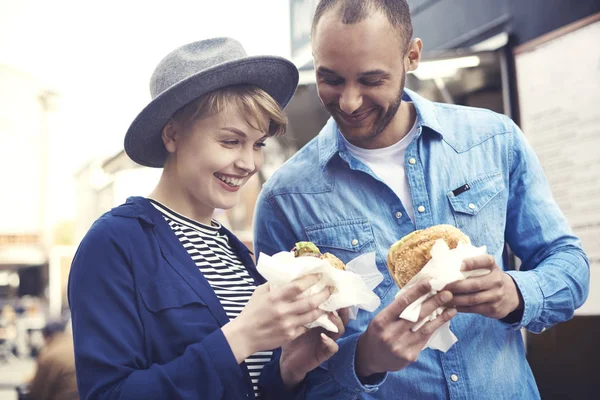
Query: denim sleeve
{"points": [[554, 276], [336, 378]]}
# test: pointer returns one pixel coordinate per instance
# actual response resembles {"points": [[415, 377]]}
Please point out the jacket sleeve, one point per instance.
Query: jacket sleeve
{"points": [[336, 378], [554, 276], [109, 334]]}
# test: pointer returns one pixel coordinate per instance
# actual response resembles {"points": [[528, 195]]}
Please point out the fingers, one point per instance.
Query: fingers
{"points": [[428, 328], [441, 299], [338, 322], [474, 285], [344, 314], [295, 288], [308, 317], [393, 311], [474, 299], [485, 261], [306, 304]]}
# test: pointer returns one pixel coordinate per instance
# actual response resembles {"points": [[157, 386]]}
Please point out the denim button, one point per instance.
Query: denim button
{"points": [[398, 214], [354, 242], [421, 209], [412, 161], [454, 377]]}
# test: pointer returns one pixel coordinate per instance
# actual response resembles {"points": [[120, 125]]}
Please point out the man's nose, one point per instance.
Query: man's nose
{"points": [[350, 100]]}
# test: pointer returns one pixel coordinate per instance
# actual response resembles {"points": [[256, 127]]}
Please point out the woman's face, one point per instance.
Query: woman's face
{"points": [[211, 158]]}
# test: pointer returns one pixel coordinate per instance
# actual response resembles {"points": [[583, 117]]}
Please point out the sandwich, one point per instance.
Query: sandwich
{"points": [[308, 249], [409, 255]]}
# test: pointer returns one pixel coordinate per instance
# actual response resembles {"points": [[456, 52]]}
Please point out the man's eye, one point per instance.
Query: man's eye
{"points": [[373, 83], [332, 81]]}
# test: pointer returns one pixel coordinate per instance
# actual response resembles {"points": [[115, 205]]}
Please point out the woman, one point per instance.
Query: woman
{"points": [[166, 303]]}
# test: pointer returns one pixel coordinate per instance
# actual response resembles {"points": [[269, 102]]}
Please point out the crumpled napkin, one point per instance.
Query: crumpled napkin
{"points": [[352, 288], [442, 269]]}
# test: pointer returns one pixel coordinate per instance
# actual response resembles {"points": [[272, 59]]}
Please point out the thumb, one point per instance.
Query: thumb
{"points": [[330, 347]]}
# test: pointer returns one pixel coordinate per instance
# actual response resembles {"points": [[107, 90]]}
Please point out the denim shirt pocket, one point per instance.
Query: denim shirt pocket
{"points": [[346, 239], [478, 213]]}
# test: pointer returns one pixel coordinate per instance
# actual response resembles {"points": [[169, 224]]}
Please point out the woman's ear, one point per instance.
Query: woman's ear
{"points": [[169, 136]]}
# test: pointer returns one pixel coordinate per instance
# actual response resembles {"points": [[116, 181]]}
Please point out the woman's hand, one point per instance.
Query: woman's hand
{"points": [[274, 317], [310, 350]]}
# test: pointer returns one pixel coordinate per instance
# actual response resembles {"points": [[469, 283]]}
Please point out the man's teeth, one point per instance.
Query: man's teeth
{"points": [[230, 181]]}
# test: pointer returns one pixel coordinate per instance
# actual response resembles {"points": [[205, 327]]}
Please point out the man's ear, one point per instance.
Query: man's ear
{"points": [[170, 135], [413, 54]]}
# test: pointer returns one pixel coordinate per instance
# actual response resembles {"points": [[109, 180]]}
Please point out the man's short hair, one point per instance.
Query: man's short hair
{"points": [[353, 11]]}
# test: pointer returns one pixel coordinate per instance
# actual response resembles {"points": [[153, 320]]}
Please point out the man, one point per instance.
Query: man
{"points": [[390, 162]]}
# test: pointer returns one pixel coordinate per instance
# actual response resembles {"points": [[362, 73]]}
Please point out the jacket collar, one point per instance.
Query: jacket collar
{"points": [[331, 143], [176, 255]]}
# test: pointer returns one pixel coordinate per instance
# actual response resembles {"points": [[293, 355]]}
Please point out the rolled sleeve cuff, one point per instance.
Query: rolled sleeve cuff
{"points": [[533, 300], [223, 360], [341, 366]]}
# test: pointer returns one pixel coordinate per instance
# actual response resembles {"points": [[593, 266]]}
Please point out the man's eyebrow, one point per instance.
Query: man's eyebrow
{"points": [[323, 70], [375, 72]]}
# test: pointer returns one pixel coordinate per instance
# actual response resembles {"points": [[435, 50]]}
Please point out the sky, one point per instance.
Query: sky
{"points": [[99, 56]]}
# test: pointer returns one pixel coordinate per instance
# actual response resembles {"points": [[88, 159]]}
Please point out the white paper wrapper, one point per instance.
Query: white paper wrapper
{"points": [[442, 269], [352, 288]]}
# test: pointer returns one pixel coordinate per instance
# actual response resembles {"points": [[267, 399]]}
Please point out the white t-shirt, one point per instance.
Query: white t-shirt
{"points": [[388, 164]]}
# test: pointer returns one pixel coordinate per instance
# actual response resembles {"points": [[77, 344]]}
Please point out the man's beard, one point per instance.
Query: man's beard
{"points": [[380, 123]]}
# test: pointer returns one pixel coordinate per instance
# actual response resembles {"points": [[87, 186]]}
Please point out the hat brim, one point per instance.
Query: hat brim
{"points": [[275, 75]]}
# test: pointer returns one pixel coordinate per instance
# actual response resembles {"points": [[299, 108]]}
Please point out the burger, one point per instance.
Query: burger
{"points": [[409, 255], [308, 249]]}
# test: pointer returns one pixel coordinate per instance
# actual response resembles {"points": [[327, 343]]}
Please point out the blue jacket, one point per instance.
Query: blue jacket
{"points": [[146, 323]]}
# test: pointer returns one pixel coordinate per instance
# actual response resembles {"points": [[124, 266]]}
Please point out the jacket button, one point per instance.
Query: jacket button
{"points": [[398, 215], [421, 209], [412, 161], [472, 206], [454, 377], [354, 242]]}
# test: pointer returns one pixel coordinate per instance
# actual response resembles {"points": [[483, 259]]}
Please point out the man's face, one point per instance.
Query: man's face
{"points": [[361, 69]]}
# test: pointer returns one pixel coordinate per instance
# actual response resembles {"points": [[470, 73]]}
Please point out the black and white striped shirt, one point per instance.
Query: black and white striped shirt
{"points": [[223, 270]]}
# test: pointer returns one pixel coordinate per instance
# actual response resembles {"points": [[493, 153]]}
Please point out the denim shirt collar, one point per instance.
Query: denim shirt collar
{"points": [[331, 143]]}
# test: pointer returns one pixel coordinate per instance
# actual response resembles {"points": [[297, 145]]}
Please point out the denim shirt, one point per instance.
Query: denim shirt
{"points": [[326, 196]]}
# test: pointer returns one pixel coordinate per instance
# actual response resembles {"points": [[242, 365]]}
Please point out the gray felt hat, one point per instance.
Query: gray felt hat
{"points": [[196, 69]]}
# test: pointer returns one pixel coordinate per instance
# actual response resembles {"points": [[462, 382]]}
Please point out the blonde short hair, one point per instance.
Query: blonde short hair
{"points": [[253, 102]]}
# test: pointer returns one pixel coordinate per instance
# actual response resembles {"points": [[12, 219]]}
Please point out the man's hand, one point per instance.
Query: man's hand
{"points": [[494, 295], [388, 344], [310, 350]]}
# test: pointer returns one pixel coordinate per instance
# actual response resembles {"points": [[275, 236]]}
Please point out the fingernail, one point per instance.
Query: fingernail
{"points": [[463, 266], [334, 312], [446, 296], [324, 337]]}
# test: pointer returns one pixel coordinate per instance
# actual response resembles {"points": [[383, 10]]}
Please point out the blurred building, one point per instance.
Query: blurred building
{"points": [[24, 228]]}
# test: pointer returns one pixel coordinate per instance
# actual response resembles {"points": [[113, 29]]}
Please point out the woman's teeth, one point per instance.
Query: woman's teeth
{"points": [[235, 182]]}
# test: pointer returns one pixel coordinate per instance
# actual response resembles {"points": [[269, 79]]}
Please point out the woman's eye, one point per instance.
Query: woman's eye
{"points": [[260, 145], [232, 142]]}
